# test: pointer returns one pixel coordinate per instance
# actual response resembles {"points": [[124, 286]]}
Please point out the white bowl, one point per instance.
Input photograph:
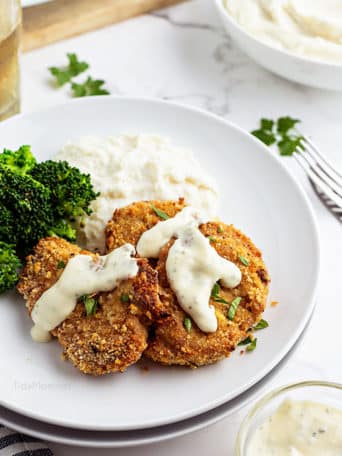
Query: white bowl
{"points": [[290, 66]]}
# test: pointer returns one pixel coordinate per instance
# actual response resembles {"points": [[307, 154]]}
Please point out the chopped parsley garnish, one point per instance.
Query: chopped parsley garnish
{"points": [[252, 345], [60, 265], [244, 260], [89, 88], [90, 305], [124, 297], [220, 229], [65, 74], [261, 325], [163, 215], [233, 307], [187, 324], [215, 294], [282, 132], [212, 239], [246, 341]]}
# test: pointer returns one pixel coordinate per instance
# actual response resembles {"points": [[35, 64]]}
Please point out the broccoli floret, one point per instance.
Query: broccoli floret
{"points": [[30, 205], [9, 264], [71, 191], [63, 229], [7, 226], [20, 161]]}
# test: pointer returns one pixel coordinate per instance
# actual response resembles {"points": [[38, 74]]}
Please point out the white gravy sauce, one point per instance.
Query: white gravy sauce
{"points": [[192, 265], [82, 275], [299, 428]]}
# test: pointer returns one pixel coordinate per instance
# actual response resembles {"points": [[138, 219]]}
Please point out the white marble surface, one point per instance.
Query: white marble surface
{"points": [[182, 54]]}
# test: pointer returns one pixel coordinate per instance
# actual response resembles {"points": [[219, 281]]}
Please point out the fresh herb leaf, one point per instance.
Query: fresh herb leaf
{"points": [[266, 124], [124, 297], [285, 124], [261, 325], [266, 137], [288, 145], [246, 341], [282, 132], [65, 74], [89, 88], [215, 294], [244, 260], [187, 324], [233, 307], [60, 265], [252, 345], [163, 215], [90, 305]]}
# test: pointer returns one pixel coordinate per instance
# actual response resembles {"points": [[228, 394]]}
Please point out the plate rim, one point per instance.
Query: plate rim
{"points": [[203, 421], [311, 297]]}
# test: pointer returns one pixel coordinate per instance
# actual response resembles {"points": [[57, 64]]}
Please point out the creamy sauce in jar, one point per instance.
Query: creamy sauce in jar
{"points": [[193, 266], [82, 275], [299, 428], [311, 28]]}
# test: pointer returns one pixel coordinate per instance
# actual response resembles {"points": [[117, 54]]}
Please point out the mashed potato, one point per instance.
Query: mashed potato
{"points": [[130, 168], [311, 28]]}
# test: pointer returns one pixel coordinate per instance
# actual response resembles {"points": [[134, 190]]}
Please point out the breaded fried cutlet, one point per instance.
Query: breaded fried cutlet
{"points": [[169, 341], [116, 335]]}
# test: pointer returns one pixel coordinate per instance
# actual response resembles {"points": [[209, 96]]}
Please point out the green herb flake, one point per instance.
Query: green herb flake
{"points": [[267, 138], [60, 265], [163, 215], [220, 229], [65, 74], [233, 307], [90, 305], [289, 144], [215, 294], [212, 239], [262, 324], [187, 324], [252, 345], [124, 297], [285, 124], [89, 88], [246, 341], [244, 260]]}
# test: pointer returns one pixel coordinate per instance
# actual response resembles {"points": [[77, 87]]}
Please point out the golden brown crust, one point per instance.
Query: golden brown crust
{"points": [[130, 222], [172, 344], [116, 336], [169, 342]]}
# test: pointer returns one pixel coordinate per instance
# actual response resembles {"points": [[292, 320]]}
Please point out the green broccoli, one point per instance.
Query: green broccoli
{"points": [[71, 191], [30, 205], [9, 264], [63, 229], [7, 224], [20, 161]]}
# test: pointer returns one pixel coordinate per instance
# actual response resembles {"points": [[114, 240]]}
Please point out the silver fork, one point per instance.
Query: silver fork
{"points": [[324, 177]]}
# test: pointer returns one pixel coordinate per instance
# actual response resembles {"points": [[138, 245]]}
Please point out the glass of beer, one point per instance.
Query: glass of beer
{"points": [[10, 24]]}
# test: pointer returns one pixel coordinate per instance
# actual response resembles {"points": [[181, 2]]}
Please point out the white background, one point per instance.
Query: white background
{"points": [[182, 54]]}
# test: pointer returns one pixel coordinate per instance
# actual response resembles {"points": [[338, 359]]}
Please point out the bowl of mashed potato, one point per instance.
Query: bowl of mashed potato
{"points": [[298, 419], [300, 40]]}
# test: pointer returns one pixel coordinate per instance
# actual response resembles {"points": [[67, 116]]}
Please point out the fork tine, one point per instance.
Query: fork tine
{"points": [[317, 180], [336, 187], [326, 166]]}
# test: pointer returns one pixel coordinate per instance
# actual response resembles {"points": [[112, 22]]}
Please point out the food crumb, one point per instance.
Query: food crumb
{"points": [[242, 352], [274, 303]]}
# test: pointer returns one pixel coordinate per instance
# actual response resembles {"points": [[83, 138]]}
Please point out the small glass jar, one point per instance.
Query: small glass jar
{"points": [[10, 28], [326, 393]]}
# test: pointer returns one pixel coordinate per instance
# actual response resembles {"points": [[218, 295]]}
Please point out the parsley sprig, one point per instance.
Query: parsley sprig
{"points": [[65, 74], [282, 133], [89, 87]]}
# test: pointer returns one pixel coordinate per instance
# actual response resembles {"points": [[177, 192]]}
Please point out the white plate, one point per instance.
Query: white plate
{"points": [[107, 439], [258, 195], [25, 3]]}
